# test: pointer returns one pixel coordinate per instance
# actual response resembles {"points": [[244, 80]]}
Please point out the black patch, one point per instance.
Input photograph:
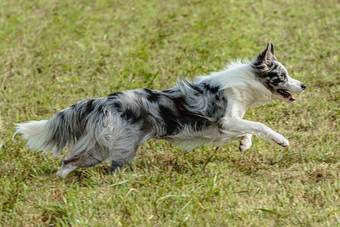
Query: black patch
{"points": [[169, 118], [152, 96], [117, 106], [276, 81], [87, 110], [211, 88], [271, 75], [179, 102], [130, 116], [73, 106], [89, 107], [114, 95], [275, 67], [196, 88], [148, 91], [272, 48], [100, 108]]}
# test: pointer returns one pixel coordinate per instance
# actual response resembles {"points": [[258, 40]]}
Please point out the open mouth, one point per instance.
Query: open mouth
{"points": [[286, 95]]}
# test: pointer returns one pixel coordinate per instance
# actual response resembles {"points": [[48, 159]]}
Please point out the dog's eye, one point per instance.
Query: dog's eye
{"points": [[283, 76]]}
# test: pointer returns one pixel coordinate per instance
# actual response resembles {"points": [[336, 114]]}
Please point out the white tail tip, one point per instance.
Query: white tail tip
{"points": [[36, 133]]}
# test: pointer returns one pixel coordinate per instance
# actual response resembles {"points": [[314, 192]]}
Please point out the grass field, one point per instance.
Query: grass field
{"points": [[54, 53]]}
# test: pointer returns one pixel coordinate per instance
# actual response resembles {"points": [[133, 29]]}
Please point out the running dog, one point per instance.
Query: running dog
{"points": [[209, 109]]}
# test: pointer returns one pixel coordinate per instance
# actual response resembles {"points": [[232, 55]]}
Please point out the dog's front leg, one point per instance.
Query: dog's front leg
{"points": [[244, 127]]}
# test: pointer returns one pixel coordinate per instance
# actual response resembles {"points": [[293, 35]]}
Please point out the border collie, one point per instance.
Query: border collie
{"points": [[207, 110]]}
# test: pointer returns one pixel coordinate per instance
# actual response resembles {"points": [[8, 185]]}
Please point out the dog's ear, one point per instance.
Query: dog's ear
{"points": [[272, 48], [266, 57]]}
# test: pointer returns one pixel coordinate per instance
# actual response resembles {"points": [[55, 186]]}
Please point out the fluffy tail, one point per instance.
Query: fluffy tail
{"points": [[63, 128], [47, 135], [36, 133]]}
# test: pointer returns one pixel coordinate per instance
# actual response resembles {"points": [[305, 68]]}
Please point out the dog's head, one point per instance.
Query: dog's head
{"points": [[275, 76]]}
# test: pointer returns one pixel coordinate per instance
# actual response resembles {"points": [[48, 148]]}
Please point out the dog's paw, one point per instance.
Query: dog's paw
{"points": [[244, 147], [281, 140], [245, 143]]}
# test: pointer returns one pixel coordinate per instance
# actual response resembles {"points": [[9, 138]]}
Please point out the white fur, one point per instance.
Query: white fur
{"points": [[36, 133]]}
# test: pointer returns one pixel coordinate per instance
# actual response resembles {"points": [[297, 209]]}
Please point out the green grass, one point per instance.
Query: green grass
{"points": [[55, 53]]}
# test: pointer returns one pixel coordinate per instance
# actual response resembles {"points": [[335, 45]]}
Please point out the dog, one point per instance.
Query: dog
{"points": [[209, 109]]}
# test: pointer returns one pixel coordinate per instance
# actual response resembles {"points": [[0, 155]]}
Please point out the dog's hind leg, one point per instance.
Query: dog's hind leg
{"points": [[123, 153], [119, 158], [245, 142], [83, 159], [116, 166]]}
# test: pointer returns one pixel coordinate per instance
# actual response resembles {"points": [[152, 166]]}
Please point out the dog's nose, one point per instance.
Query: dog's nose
{"points": [[303, 86]]}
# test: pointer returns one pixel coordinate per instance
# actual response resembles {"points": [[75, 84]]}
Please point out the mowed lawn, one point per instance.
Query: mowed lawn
{"points": [[54, 53]]}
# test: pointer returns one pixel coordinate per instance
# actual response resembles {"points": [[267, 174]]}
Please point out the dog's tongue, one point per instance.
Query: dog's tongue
{"points": [[291, 98], [287, 95]]}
